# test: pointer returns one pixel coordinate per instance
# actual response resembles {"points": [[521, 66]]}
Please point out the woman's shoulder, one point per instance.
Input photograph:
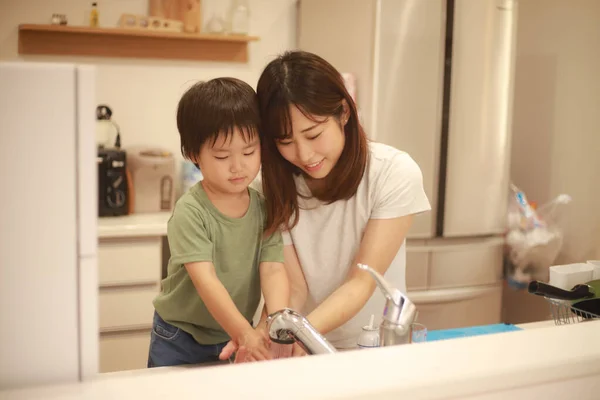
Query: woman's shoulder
{"points": [[384, 159]]}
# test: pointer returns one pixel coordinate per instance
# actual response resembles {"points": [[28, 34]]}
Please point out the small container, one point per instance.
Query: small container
{"points": [[239, 20], [369, 337], [596, 265], [568, 275], [418, 333], [94, 15]]}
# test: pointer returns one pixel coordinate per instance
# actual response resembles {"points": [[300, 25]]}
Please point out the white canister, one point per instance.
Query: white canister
{"points": [[596, 265], [369, 337]]}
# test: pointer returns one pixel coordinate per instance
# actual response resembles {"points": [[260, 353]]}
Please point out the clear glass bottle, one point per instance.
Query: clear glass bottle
{"points": [[216, 24], [239, 17]]}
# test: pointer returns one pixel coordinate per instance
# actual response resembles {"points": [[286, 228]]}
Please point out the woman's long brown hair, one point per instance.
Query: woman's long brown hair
{"points": [[316, 88]]}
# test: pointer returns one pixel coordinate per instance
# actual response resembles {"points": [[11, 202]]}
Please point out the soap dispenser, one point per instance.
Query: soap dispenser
{"points": [[369, 337]]}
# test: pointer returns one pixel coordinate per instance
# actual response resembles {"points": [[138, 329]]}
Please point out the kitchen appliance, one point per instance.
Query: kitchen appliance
{"points": [[435, 78], [106, 128], [153, 179], [48, 243], [113, 182]]}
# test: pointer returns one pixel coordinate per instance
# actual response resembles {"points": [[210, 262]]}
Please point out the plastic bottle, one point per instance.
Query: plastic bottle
{"points": [[94, 15], [239, 17], [369, 336]]}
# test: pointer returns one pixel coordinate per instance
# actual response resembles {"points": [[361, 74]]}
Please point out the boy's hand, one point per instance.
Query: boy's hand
{"points": [[233, 347], [255, 344], [228, 351], [252, 346]]}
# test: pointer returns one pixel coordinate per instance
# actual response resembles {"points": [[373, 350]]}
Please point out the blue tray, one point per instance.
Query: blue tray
{"points": [[444, 334]]}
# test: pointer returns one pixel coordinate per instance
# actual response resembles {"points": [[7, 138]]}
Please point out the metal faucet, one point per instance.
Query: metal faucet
{"points": [[398, 314], [287, 326]]}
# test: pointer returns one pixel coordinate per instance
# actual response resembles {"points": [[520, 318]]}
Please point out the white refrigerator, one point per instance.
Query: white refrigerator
{"points": [[434, 78], [48, 210]]}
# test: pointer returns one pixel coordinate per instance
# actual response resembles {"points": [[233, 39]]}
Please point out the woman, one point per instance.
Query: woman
{"points": [[340, 199]]}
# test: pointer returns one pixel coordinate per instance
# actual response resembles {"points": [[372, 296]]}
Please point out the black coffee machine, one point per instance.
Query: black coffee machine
{"points": [[113, 187], [113, 193]]}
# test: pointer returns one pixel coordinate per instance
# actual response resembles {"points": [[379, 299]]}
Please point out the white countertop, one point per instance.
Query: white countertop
{"points": [[541, 358], [143, 224]]}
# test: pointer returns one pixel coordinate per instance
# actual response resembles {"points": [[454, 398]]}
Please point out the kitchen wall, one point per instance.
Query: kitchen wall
{"points": [[557, 91], [144, 93], [556, 126]]}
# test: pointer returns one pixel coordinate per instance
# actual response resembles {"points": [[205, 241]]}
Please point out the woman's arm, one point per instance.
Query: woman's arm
{"points": [[298, 287], [380, 244]]}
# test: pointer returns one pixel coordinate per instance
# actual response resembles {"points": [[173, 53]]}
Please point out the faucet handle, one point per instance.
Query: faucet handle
{"points": [[390, 293], [403, 311]]}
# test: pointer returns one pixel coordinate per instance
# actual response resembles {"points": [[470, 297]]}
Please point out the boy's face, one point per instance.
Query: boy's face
{"points": [[232, 163]]}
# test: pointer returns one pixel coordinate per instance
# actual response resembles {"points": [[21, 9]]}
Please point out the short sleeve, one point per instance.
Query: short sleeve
{"points": [[272, 248], [188, 237], [399, 189]]}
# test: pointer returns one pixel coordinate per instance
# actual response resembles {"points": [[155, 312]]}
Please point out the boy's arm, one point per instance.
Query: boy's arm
{"points": [[275, 286], [191, 245], [273, 277], [221, 306]]}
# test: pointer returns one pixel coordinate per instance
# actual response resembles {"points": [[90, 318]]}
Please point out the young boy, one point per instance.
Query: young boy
{"points": [[220, 257]]}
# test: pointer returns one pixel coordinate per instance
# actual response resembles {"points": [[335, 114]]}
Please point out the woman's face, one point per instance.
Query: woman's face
{"points": [[315, 147]]}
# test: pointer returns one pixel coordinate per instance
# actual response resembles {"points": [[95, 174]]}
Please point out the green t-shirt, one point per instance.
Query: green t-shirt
{"points": [[197, 231]]}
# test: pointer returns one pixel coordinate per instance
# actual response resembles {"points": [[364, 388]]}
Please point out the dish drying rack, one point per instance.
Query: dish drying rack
{"points": [[564, 313]]}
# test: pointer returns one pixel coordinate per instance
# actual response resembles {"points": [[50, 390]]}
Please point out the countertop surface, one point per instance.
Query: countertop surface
{"points": [[142, 224], [539, 358]]}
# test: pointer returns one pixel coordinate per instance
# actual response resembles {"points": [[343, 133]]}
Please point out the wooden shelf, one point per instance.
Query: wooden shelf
{"points": [[131, 43]]}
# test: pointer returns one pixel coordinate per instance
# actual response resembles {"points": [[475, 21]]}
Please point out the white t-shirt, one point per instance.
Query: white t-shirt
{"points": [[328, 236]]}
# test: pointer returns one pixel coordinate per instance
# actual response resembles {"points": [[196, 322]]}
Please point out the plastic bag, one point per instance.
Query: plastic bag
{"points": [[533, 238]]}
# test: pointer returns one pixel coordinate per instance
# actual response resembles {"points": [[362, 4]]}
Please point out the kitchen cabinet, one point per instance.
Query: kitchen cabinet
{"points": [[455, 282], [130, 264]]}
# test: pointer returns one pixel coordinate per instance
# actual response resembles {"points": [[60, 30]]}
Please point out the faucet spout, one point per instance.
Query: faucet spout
{"points": [[287, 326], [399, 312], [391, 294]]}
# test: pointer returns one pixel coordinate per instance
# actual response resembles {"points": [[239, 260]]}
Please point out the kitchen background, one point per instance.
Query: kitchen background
{"points": [[555, 137], [143, 94]]}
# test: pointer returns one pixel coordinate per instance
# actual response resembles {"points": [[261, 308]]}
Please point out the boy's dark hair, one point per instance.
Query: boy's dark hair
{"points": [[213, 108]]}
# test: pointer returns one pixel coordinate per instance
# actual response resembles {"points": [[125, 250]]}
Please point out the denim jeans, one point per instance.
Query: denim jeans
{"points": [[170, 346]]}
